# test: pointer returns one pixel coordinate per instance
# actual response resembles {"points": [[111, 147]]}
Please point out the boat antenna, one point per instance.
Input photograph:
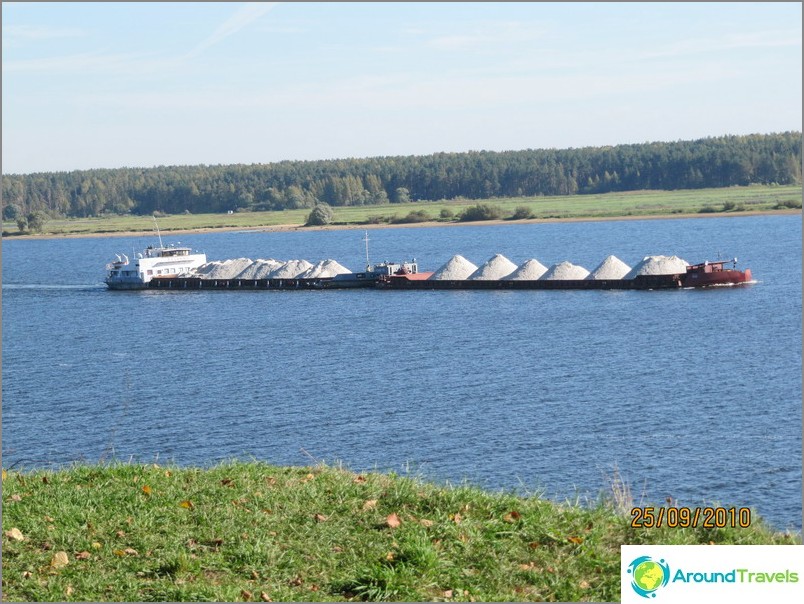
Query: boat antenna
{"points": [[368, 264], [156, 224]]}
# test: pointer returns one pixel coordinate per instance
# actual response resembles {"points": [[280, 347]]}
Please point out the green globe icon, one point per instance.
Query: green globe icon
{"points": [[649, 575]]}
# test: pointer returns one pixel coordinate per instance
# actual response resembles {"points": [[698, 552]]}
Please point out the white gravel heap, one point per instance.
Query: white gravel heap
{"points": [[658, 265], [565, 271], [611, 268], [456, 267], [259, 269], [530, 270], [497, 267], [226, 269], [324, 268], [290, 269], [206, 268]]}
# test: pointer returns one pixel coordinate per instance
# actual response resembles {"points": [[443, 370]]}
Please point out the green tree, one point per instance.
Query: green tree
{"points": [[376, 192], [22, 223], [11, 211], [401, 195], [321, 214], [37, 221]]}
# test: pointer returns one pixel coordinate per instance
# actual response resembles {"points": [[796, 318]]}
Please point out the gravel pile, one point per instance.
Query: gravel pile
{"points": [[226, 269], [658, 265], [290, 269], [259, 269], [611, 268], [530, 270], [456, 267], [497, 267], [324, 268], [565, 271], [205, 269]]}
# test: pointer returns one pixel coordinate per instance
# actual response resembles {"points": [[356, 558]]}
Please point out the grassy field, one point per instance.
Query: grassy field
{"points": [[254, 532], [636, 203]]}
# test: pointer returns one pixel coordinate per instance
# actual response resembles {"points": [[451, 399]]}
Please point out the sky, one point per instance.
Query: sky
{"points": [[112, 84]]}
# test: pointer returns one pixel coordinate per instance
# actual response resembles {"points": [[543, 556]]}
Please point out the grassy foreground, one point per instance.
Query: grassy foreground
{"points": [[254, 532], [731, 200]]}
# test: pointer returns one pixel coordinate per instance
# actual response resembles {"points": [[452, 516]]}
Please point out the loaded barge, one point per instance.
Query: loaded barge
{"points": [[405, 276]]}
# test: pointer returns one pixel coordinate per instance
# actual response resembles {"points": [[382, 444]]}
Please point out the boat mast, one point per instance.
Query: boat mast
{"points": [[368, 264], [156, 224]]}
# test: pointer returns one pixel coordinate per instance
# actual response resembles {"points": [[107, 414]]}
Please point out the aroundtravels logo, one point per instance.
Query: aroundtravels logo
{"points": [[702, 574], [648, 575]]}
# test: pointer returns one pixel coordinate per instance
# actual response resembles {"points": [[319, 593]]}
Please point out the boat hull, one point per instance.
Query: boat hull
{"points": [[412, 282], [126, 285], [641, 282], [706, 274], [715, 278]]}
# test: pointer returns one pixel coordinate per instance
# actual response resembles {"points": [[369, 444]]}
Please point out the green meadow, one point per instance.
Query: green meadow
{"points": [[732, 200]]}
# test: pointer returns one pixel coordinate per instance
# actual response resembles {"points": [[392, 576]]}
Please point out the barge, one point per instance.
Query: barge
{"points": [[705, 274], [405, 276]]}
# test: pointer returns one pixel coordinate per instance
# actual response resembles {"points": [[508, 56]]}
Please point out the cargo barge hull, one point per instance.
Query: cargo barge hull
{"points": [[697, 276], [252, 284]]}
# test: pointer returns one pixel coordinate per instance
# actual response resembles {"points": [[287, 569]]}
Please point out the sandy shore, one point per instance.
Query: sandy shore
{"points": [[362, 227]]}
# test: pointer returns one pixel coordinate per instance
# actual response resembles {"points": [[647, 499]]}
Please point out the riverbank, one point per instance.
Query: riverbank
{"points": [[336, 227], [255, 532], [630, 205]]}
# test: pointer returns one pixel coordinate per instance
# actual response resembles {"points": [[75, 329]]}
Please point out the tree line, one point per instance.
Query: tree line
{"points": [[710, 162]]}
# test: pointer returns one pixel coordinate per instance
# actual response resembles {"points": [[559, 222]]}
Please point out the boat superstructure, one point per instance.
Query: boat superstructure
{"points": [[152, 262], [709, 273]]}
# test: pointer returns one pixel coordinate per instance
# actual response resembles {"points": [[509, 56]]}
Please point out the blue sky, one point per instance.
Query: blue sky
{"points": [[106, 85]]}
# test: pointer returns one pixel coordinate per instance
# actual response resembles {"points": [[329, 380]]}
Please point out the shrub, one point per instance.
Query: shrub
{"points": [[320, 215], [416, 216], [522, 213], [481, 211], [447, 214]]}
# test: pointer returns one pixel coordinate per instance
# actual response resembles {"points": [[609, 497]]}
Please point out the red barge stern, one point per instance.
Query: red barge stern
{"points": [[708, 274]]}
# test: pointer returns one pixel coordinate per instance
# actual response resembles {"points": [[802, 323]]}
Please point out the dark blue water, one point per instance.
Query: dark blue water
{"points": [[694, 395]]}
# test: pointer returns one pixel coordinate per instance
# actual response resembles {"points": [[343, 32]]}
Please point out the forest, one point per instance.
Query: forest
{"points": [[709, 162]]}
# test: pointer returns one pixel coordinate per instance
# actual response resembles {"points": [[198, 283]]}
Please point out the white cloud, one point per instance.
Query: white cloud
{"points": [[273, 28], [92, 63], [243, 16], [763, 39], [404, 93], [485, 35], [29, 32]]}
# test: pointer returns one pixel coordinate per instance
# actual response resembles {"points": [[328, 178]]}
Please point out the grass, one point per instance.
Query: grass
{"points": [[250, 531], [634, 203]]}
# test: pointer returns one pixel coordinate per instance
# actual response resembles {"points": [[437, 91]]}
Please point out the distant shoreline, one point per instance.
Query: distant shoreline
{"points": [[343, 227]]}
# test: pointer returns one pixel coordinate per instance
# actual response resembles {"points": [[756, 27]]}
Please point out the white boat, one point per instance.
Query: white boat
{"points": [[152, 262]]}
